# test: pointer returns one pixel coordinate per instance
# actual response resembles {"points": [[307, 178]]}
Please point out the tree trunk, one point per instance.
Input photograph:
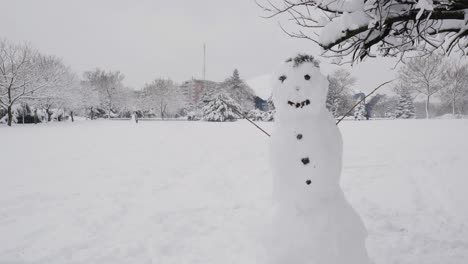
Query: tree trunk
{"points": [[10, 103], [163, 111], [49, 115], [10, 115], [427, 106], [92, 113], [35, 116], [453, 107], [110, 107], [71, 115], [23, 117]]}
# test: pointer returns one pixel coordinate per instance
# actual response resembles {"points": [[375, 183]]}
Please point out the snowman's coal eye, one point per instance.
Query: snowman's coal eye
{"points": [[282, 78], [307, 77]]}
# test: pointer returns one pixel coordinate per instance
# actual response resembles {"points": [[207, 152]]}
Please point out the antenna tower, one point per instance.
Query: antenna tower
{"points": [[204, 61]]}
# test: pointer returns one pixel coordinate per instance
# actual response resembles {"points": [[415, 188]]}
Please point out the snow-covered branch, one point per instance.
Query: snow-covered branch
{"points": [[357, 29]]}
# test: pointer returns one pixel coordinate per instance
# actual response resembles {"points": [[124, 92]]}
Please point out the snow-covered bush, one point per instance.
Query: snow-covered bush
{"points": [[17, 111], [256, 115], [220, 109], [259, 115], [4, 119], [269, 116], [193, 116]]}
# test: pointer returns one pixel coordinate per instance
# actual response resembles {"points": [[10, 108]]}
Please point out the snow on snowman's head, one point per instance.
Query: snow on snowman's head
{"points": [[299, 87]]}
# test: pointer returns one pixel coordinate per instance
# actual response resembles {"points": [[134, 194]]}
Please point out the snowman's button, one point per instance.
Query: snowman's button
{"points": [[308, 182], [299, 136], [305, 161]]}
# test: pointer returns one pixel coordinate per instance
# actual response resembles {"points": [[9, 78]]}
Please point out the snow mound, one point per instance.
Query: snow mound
{"points": [[451, 116]]}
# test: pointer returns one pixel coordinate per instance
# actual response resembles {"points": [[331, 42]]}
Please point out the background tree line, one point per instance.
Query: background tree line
{"points": [[35, 87], [426, 86]]}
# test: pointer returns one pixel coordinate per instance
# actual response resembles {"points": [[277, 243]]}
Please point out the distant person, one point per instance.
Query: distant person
{"points": [[134, 117]]}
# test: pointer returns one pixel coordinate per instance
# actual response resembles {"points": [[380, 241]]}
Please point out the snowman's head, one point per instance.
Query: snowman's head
{"points": [[299, 88]]}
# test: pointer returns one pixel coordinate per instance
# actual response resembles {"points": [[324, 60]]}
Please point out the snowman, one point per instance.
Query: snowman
{"points": [[312, 221]]}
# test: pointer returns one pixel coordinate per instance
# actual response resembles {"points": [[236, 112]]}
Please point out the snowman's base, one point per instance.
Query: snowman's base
{"points": [[331, 233]]}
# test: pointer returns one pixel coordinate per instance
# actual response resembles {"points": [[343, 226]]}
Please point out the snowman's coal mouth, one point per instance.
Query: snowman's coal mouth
{"points": [[299, 104]]}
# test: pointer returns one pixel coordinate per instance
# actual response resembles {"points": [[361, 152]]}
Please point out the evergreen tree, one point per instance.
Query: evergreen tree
{"points": [[256, 115], [405, 107], [236, 81], [360, 113], [220, 109], [208, 95], [239, 91], [339, 98]]}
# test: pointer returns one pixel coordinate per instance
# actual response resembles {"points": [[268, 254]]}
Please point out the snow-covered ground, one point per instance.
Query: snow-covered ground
{"points": [[196, 192]]}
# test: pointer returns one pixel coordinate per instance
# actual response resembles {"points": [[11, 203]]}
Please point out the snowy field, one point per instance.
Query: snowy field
{"points": [[194, 192]]}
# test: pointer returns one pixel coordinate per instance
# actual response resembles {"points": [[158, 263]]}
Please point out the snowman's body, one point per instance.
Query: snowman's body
{"points": [[312, 221]]}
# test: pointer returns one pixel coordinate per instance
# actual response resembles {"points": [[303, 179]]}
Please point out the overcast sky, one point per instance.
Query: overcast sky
{"points": [[146, 39]]}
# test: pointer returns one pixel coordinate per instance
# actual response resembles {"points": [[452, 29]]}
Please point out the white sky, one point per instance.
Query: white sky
{"points": [[146, 39]]}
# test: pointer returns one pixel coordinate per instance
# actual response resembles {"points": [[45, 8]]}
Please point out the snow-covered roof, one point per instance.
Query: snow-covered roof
{"points": [[261, 86]]}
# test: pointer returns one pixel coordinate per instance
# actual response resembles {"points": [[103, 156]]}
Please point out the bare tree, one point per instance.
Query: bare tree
{"points": [[72, 102], [456, 85], [76, 97], [464, 104], [163, 96], [338, 97], [108, 86], [363, 29], [54, 94], [425, 76], [125, 101], [89, 97], [23, 73]]}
